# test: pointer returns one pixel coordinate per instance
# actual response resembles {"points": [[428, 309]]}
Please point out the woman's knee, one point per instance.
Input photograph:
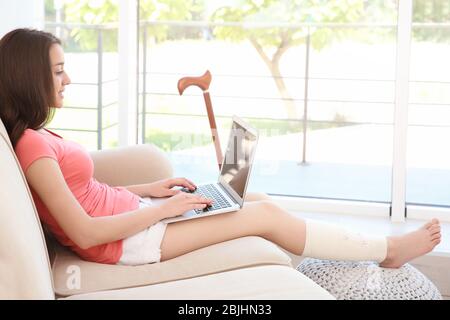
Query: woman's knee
{"points": [[266, 215], [256, 196], [268, 210]]}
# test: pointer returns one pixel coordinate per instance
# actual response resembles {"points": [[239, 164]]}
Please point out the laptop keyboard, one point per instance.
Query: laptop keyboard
{"points": [[210, 192]]}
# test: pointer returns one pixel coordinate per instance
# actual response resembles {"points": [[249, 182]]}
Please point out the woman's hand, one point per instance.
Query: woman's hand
{"points": [[163, 188], [181, 203]]}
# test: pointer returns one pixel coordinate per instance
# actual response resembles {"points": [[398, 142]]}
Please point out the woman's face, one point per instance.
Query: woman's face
{"points": [[60, 77]]}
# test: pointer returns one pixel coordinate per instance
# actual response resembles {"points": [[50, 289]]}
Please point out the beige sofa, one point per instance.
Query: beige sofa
{"points": [[33, 266]]}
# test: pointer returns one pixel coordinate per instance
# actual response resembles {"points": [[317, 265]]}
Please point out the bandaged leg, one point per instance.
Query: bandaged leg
{"points": [[332, 242]]}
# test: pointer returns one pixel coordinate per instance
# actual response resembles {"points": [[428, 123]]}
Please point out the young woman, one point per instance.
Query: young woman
{"points": [[114, 224]]}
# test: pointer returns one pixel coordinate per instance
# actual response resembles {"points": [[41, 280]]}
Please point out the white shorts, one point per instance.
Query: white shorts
{"points": [[145, 246]]}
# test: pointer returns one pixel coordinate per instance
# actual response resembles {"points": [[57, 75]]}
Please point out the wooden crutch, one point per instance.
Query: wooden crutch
{"points": [[203, 83]]}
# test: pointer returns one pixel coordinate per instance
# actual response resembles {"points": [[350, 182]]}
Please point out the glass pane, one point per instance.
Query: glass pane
{"points": [[428, 179], [264, 71], [90, 50]]}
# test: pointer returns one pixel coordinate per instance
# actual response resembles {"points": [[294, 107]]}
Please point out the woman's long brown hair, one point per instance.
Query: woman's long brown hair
{"points": [[26, 82]]}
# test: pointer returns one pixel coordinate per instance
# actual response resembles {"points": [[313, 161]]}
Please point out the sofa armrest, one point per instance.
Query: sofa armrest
{"points": [[229, 255], [131, 165]]}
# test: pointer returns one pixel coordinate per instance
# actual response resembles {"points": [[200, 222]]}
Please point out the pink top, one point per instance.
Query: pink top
{"points": [[97, 199]]}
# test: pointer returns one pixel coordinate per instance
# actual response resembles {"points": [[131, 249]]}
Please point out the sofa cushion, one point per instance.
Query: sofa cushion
{"points": [[257, 283], [229, 255], [24, 266], [136, 164]]}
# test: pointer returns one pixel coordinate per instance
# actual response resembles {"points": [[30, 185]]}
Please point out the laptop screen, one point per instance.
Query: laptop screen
{"points": [[238, 156]]}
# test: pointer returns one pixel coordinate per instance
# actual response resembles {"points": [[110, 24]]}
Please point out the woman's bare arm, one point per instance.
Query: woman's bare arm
{"points": [[45, 177], [139, 189], [161, 188]]}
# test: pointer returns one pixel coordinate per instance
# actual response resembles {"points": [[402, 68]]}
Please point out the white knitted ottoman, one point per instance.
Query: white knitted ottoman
{"points": [[348, 280]]}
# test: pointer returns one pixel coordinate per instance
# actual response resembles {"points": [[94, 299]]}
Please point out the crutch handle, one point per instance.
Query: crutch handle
{"points": [[202, 82]]}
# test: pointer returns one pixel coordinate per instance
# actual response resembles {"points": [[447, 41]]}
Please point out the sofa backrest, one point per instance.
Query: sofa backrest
{"points": [[24, 264]]}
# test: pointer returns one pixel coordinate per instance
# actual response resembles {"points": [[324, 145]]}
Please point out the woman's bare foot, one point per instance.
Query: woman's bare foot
{"points": [[404, 248]]}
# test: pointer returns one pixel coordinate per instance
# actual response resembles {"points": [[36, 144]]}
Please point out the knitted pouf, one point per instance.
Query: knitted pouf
{"points": [[348, 280]]}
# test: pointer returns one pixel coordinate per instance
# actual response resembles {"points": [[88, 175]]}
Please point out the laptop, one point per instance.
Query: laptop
{"points": [[228, 193]]}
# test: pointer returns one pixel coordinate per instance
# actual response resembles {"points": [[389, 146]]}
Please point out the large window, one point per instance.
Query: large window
{"points": [[428, 179], [90, 108], [317, 80]]}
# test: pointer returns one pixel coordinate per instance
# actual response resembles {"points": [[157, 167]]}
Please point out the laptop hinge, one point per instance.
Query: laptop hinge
{"points": [[229, 195]]}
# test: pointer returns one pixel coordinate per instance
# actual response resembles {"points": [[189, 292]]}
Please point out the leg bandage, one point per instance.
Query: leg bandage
{"points": [[331, 242]]}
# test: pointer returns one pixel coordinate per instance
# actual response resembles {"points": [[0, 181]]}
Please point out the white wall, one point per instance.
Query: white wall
{"points": [[20, 14]]}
